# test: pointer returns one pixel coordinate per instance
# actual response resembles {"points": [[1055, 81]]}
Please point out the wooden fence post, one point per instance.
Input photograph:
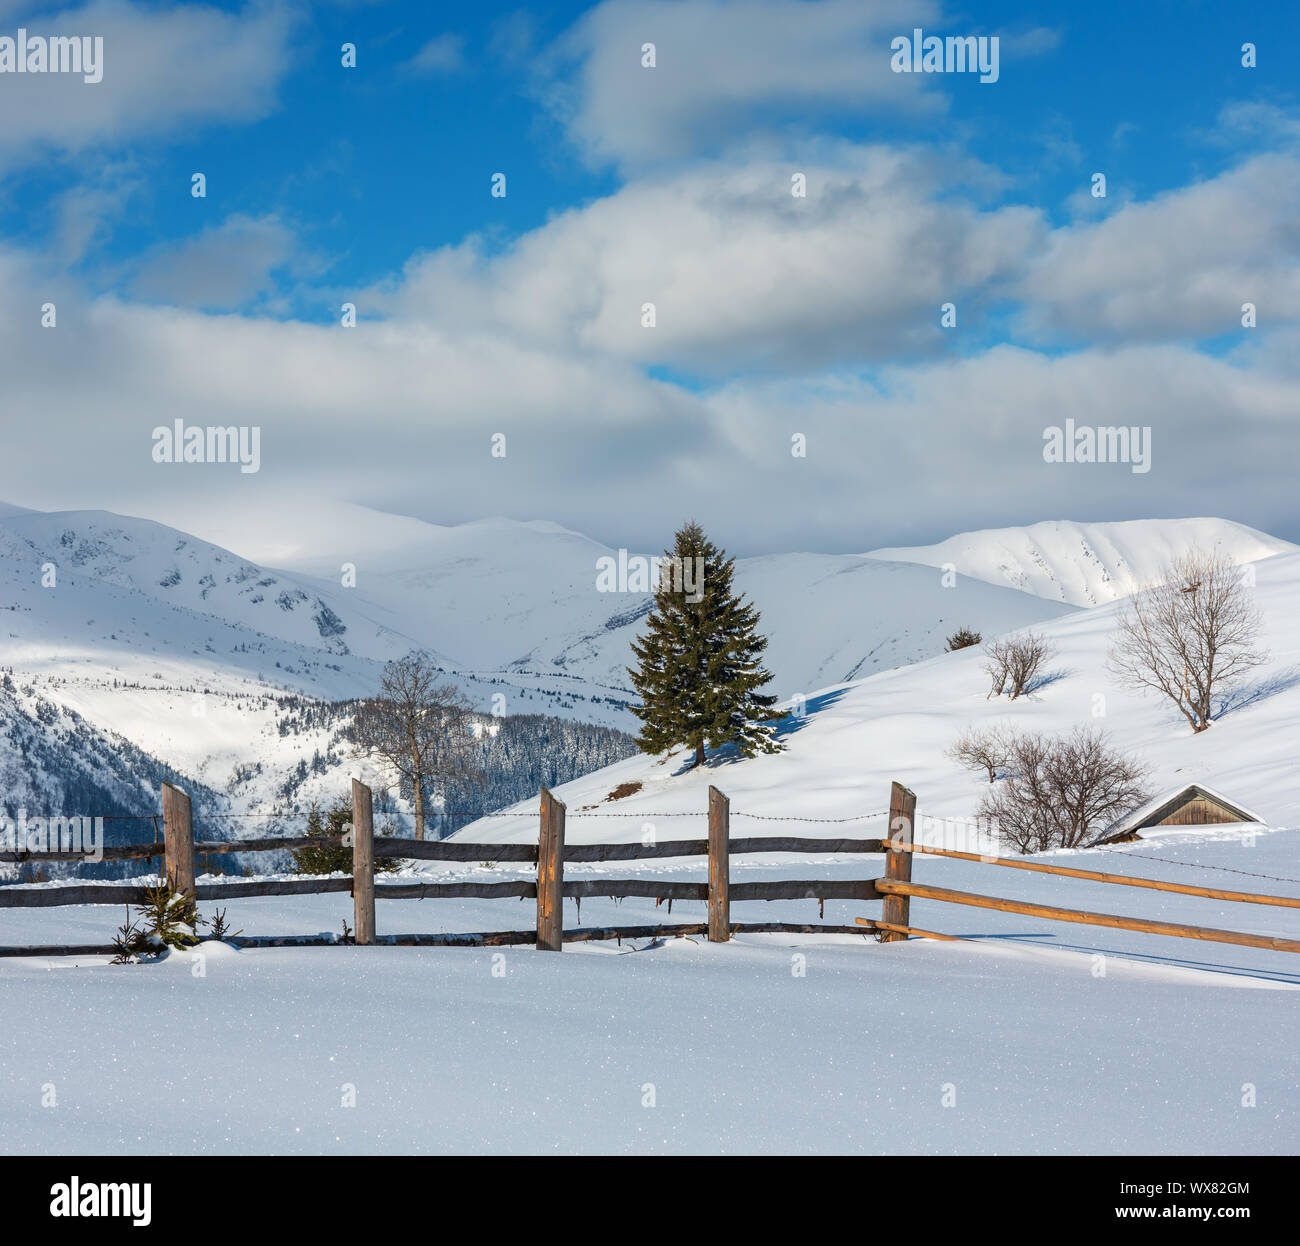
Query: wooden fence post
{"points": [[898, 863], [178, 838], [550, 875], [363, 864], [719, 866]]}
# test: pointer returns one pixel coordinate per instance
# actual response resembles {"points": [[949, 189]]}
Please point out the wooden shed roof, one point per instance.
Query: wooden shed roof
{"points": [[1156, 809]]}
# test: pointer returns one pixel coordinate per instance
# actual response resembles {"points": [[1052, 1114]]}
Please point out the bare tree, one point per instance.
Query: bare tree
{"points": [[1062, 791], [1014, 662], [1190, 636], [420, 728], [987, 749]]}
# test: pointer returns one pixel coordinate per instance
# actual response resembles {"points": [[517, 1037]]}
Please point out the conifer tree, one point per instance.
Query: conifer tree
{"points": [[700, 661]]}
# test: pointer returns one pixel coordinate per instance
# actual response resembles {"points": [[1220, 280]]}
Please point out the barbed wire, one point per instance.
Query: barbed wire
{"points": [[1198, 865], [574, 813], [774, 817]]}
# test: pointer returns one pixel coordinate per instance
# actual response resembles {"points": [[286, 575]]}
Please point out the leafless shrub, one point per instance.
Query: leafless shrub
{"points": [[987, 749], [1190, 636], [1014, 662], [1062, 791]]}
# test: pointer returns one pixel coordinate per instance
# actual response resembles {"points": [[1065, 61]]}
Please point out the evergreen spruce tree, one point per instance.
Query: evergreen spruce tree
{"points": [[332, 858], [699, 664]]}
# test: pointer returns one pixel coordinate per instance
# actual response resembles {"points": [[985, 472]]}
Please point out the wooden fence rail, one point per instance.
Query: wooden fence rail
{"points": [[548, 857], [550, 887], [470, 851], [1123, 880], [1144, 926]]}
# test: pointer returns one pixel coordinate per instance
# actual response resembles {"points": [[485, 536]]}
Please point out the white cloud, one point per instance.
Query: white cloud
{"points": [[958, 445], [163, 71], [741, 272], [1181, 264], [1255, 120], [86, 212], [400, 416], [724, 68]]}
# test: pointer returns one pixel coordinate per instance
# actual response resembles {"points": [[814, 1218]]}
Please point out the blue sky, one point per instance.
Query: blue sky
{"points": [[377, 162], [627, 184]]}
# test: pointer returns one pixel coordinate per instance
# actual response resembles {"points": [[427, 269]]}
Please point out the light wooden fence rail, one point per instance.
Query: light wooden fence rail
{"points": [[903, 889]]}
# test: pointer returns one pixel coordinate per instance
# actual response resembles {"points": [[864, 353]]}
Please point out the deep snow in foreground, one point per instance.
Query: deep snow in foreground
{"points": [[1043, 1036], [1052, 1038], [560, 1053]]}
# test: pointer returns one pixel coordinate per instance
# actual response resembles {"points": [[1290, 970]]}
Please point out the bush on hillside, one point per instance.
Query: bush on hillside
{"points": [[1015, 663], [963, 638], [167, 919]]}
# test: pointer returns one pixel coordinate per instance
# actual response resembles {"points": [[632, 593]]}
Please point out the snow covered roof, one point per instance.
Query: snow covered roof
{"points": [[1152, 810]]}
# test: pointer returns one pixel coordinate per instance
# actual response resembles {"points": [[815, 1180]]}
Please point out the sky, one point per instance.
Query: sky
{"points": [[768, 281]]}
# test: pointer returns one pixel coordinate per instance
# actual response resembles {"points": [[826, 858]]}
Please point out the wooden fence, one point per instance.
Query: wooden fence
{"points": [[550, 854], [901, 889]]}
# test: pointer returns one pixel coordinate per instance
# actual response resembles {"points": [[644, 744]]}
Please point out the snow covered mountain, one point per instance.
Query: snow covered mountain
{"points": [[162, 570], [121, 631], [1085, 564], [502, 595]]}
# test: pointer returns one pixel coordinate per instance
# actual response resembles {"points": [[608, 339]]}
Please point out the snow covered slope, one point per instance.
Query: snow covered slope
{"points": [[511, 607], [828, 618], [1085, 564], [138, 653], [197, 656], [855, 738]]}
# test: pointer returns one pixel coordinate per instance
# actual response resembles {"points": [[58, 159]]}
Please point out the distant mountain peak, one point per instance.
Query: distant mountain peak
{"points": [[1085, 564]]}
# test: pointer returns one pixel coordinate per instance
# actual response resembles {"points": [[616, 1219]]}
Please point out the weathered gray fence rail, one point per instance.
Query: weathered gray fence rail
{"points": [[549, 856]]}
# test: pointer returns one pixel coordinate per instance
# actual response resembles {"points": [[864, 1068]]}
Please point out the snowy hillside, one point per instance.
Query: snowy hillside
{"points": [[511, 607], [210, 664], [506, 595], [175, 571], [855, 738], [1085, 564], [139, 653]]}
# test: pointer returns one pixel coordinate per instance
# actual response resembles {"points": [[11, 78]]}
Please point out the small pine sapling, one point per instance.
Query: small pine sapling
{"points": [[219, 926], [171, 917], [129, 943], [167, 919]]}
